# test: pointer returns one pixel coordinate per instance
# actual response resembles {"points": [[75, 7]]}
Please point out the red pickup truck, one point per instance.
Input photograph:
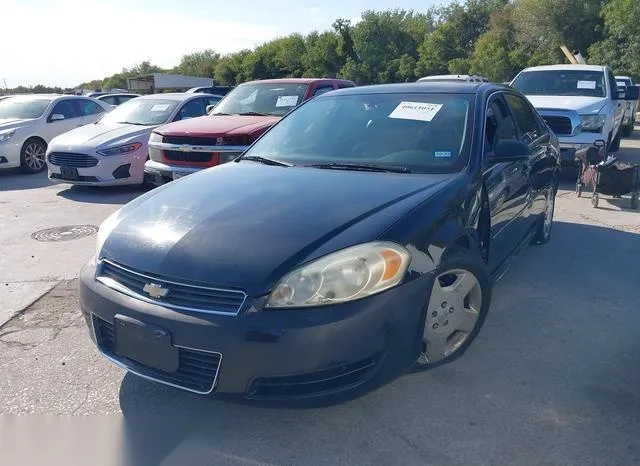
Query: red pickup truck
{"points": [[183, 147]]}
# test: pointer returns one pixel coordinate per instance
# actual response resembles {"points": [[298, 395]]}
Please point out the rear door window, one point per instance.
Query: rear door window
{"points": [[526, 119]]}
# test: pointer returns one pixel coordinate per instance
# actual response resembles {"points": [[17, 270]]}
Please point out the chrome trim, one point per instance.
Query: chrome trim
{"points": [[193, 148], [572, 115], [153, 379], [114, 285], [152, 166]]}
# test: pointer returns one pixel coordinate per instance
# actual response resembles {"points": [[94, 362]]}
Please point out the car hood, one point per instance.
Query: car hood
{"points": [[97, 135], [218, 125], [10, 123], [583, 105], [244, 225]]}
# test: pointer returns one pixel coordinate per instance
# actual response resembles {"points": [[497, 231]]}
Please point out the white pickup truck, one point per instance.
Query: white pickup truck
{"points": [[580, 103], [629, 120]]}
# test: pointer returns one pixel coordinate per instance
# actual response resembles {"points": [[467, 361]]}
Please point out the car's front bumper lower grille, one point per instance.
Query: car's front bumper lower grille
{"points": [[179, 296], [197, 370], [63, 159]]}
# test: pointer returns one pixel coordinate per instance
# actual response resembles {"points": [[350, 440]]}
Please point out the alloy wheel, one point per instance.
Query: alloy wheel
{"points": [[34, 156]]}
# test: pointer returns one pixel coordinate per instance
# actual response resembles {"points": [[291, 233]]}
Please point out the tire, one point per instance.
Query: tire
{"points": [[615, 144], [453, 318], [32, 155], [543, 230]]}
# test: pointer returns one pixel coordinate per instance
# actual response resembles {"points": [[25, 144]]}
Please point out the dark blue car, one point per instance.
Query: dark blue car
{"points": [[356, 240]]}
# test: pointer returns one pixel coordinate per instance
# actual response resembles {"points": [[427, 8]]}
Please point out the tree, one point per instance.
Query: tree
{"points": [[322, 58], [229, 67], [619, 48], [198, 64]]}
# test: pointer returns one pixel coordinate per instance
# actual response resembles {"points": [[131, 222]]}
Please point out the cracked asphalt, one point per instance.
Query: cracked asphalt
{"points": [[552, 379]]}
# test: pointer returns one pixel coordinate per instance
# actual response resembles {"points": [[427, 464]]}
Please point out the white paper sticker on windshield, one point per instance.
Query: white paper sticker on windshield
{"points": [[415, 111], [287, 101], [160, 107], [442, 154], [586, 85]]}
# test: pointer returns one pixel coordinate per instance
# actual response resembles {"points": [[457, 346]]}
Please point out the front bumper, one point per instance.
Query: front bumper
{"points": [[158, 173], [10, 154], [273, 354], [109, 171]]}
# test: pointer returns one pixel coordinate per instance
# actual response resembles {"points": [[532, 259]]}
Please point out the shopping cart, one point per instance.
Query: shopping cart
{"points": [[607, 176]]}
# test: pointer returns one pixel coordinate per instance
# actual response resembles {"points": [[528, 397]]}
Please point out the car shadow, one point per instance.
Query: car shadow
{"points": [[557, 359], [14, 179], [102, 194]]}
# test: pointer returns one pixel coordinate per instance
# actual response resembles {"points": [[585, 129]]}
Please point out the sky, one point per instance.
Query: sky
{"points": [[67, 42]]}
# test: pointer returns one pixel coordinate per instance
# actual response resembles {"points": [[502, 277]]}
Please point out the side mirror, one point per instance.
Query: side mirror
{"points": [[632, 93], [56, 117], [510, 150], [210, 107]]}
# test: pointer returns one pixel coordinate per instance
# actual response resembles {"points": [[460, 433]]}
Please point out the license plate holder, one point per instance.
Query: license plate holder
{"points": [[146, 344], [69, 173]]}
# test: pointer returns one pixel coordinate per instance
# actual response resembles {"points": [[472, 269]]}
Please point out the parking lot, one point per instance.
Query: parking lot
{"points": [[552, 379]]}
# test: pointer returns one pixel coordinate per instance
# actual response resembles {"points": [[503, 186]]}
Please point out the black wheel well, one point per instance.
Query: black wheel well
{"points": [[32, 138]]}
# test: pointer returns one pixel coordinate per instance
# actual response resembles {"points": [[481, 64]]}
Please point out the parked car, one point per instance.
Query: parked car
{"points": [[113, 151], [352, 242], [580, 103], [29, 122], [455, 78], [245, 113], [218, 90], [116, 99], [631, 108], [3, 97]]}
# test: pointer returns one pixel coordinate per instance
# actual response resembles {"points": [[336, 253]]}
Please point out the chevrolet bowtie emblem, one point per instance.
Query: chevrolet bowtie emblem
{"points": [[185, 148], [155, 291]]}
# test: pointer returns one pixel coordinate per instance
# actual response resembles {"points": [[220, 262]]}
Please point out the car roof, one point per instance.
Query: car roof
{"points": [[116, 94], [565, 68], [424, 87], [177, 96], [624, 77], [295, 81], [460, 77]]}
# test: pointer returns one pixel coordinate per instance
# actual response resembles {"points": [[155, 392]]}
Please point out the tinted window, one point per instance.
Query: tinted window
{"points": [[561, 82], [192, 109], [111, 100], [125, 98], [525, 118], [498, 123], [426, 133], [270, 99], [66, 108], [322, 90], [88, 108]]}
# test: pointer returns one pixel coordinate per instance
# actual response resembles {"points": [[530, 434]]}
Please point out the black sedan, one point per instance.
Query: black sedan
{"points": [[356, 240]]}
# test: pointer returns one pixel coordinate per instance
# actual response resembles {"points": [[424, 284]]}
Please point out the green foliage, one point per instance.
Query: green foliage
{"points": [[495, 38]]}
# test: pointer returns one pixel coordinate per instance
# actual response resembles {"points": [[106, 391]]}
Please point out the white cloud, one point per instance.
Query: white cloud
{"points": [[70, 42]]}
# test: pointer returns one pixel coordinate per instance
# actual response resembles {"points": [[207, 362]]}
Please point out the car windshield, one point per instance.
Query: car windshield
{"points": [[561, 82], [262, 98], [146, 112], [418, 133], [22, 109]]}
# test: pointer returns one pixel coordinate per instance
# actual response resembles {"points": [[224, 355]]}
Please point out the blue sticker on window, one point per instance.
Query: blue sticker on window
{"points": [[443, 154]]}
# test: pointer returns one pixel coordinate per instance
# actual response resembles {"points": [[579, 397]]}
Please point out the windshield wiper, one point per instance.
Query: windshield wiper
{"points": [[254, 114], [132, 123], [359, 167], [266, 160]]}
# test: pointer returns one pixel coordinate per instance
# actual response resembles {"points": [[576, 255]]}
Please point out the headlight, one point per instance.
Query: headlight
{"points": [[6, 135], [155, 137], [592, 122], [121, 150], [346, 275], [105, 230]]}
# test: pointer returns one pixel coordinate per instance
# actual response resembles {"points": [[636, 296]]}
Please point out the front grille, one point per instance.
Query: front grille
{"points": [[89, 179], [64, 159], [189, 140], [559, 124], [197, 370], [180, 295], [179, 156], [313, 383]]}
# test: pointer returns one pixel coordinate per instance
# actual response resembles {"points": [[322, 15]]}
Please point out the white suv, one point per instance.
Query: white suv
{"points": [[29, 122]]}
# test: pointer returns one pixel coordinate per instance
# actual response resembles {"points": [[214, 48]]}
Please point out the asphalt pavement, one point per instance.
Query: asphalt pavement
{"points": [[552, 379]]}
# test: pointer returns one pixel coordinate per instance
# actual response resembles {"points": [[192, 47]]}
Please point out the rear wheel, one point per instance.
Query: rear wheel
{"points": [[32, 155], [543, 231], [458, 304]]}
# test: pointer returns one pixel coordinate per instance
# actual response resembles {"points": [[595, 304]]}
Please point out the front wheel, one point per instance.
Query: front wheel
{"points": [[32, 155], [457, 308]]}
